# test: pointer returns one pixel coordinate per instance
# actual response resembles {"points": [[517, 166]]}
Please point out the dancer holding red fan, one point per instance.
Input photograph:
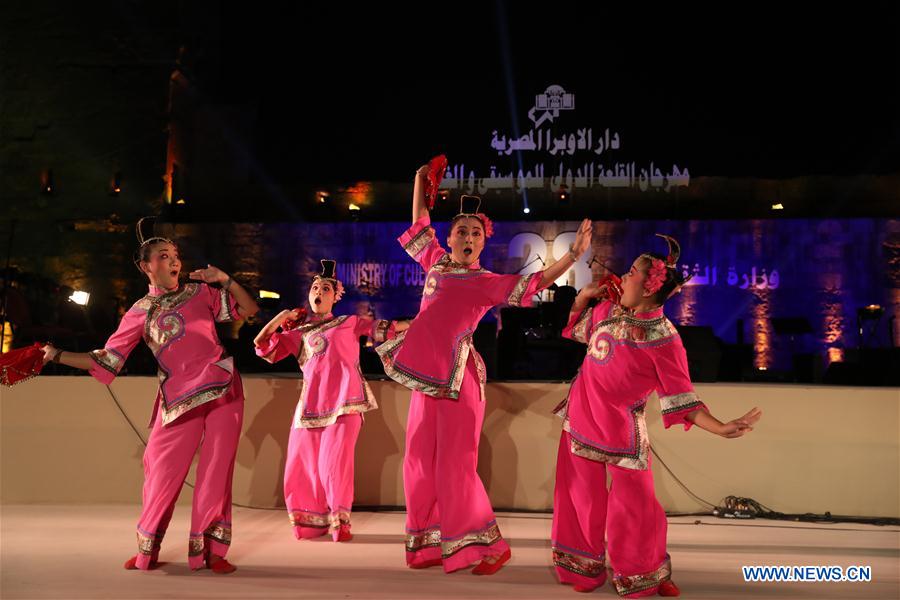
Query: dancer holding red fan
{"points": [[450, 521], [318, 475], [200, 402], [633, 350]]}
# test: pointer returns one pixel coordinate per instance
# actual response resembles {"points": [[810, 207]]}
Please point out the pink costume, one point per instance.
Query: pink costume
{"points": [[629, 357], [318, 476], [200, 399], [449, 515]]}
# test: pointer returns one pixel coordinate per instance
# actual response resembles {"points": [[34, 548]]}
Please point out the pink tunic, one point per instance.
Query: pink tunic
{"points": [[628, 358], [622, 528], [328, 352], [449, 516], [179, 328], [431, 355]]}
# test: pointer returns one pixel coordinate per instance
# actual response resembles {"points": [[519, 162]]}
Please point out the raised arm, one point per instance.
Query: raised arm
{"points": [[272, 326], [247, 306], [582, 243], [419, 207]]}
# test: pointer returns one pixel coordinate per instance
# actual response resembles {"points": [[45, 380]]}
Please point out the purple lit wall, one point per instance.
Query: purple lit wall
{"points": [[746, 272]]}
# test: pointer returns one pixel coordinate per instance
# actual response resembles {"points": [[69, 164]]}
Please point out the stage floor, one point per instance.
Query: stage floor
{"points": [[51, 551]]}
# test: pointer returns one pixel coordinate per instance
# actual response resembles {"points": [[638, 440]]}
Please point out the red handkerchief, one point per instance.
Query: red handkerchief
{"points": [[291, 323], [21, 364], [436, 168], [613, 287]]}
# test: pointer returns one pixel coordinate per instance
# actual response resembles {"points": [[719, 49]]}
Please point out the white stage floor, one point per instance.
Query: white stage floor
{"points": [[77, 552]]}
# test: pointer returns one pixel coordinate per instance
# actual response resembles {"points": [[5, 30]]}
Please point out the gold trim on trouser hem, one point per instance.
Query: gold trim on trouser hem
{"points": [[580, 565], [195, 545], [429, 538], [484, 537], [219, 532], [337, 519], [148, 544], [632, 584], [304, 518]]}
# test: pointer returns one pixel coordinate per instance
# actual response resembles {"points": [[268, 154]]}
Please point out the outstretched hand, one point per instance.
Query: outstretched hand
{"points": [[210, 274], [742, 425], [582, 238]]}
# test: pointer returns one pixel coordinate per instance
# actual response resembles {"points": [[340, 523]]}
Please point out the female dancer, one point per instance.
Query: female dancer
{"points": [[633, 350], [449, 516], [199, 403], [318, 475]]}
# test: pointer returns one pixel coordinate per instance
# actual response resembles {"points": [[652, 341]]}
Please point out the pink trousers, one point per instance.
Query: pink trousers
{"points": [[623, 528], [448, 513], [318, 477], [215, 428]]}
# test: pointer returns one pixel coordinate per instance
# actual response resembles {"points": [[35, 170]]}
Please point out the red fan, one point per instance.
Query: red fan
{"points": [[21, 364], [613, 287], [292, 323], [436, 168]]}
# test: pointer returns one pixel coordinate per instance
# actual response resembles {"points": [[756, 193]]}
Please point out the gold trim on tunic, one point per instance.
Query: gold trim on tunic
{"points": [[380, 330], [449, 389], [518, 292], [580, 331], [679, 402], [312, 340], [419, 242], [639, 459], [191, 402], [107, 359], [225, 314], [306, 422], [621, 325]]}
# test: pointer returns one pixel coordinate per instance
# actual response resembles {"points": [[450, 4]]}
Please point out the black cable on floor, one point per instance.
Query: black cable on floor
{"points": [[186, 482], [679, 482], [745, 507]]}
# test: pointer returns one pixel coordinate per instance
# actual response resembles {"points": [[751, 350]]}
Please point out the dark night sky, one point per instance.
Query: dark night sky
{"points": [[747, 92]]}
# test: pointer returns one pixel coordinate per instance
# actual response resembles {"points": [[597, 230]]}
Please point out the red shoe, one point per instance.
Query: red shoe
{"points": [[220, 566], [584, 589], [131, 563], [344, 534], [434, 562], [487, 568], [668, 588]]}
